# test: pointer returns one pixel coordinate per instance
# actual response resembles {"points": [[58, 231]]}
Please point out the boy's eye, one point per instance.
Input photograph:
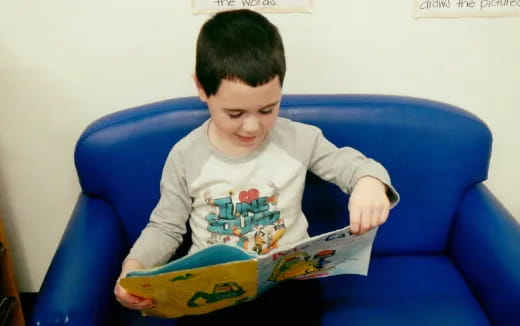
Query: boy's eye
{"points": [[234, 115], [266, 111]]}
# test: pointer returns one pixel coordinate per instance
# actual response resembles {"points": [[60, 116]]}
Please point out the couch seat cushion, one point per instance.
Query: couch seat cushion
{"points": [[402, 290]]}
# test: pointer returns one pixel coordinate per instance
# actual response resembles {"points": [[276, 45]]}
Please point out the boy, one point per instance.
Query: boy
{"points": [[239, 177]]}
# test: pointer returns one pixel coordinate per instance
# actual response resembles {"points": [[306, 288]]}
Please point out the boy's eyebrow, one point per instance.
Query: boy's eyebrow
{"points": [[263, 107]]}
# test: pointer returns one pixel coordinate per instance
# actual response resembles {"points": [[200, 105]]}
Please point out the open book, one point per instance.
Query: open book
{"points": [[224, 275]]}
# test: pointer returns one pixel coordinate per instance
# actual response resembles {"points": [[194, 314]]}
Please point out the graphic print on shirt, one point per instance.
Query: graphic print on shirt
{"points": [[253, 223]]}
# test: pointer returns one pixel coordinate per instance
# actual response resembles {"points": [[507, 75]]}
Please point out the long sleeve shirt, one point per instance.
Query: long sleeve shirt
{"points": [[254, 201]]}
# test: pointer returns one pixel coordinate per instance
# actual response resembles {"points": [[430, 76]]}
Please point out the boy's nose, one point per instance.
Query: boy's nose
{"points": [[251, 124]]}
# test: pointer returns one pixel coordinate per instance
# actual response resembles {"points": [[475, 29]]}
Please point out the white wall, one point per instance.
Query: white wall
{"points": [[64, 63]]}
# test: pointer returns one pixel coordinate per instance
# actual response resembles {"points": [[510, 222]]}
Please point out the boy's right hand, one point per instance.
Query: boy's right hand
{"points": [[127, 299]]}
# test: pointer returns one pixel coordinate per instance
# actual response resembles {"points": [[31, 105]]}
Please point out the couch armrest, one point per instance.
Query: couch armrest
{"points": [[78, 287], [485, 245]]}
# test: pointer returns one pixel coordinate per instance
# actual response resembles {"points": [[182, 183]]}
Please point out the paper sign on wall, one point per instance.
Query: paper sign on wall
{"points": [[466, 8], [211, 6]]}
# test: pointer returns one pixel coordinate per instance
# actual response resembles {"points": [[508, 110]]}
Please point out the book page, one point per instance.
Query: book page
{"points": [[333, 253]]}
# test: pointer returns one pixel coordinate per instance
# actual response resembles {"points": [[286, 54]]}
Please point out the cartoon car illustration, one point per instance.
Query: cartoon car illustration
{"points": [[221, 291], [299, 264]]}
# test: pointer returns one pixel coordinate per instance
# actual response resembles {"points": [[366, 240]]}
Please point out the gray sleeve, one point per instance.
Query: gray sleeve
{"points": [[345, 166], [163, 234]]}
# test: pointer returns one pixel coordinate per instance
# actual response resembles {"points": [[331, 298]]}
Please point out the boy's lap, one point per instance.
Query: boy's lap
{"points": [[291, 300]]}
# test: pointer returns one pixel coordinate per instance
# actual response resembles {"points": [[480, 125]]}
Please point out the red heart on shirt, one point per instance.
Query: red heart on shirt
{"points": [[248, 196]]}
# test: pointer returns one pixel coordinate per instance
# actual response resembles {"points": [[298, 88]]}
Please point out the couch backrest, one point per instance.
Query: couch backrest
{"points": [[432, 151]]}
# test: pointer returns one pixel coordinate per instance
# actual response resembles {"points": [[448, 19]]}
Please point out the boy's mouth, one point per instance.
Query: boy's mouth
{"points": [[246, 139]]}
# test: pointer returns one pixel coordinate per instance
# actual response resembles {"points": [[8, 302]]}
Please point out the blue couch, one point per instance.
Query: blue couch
{"points": [[448, 255]]}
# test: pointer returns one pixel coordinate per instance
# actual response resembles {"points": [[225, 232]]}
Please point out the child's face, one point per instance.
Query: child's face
{"points": [[242, 115]]}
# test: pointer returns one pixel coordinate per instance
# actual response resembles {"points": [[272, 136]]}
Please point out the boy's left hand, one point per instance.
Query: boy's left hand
{"points": [[368, 205]]}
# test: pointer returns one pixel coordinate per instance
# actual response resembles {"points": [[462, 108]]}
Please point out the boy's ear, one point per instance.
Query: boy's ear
{"points": [[202, 94]]}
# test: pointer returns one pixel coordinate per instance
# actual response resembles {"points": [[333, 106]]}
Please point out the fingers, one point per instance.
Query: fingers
{"points": [[127, 299], [368, 205], [367, 222], [364, 219], [131, 301], [355, 220], [383, 215]]}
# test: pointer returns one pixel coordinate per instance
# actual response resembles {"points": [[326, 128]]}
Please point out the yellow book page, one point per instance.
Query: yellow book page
{"points": [[196, 291]]}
